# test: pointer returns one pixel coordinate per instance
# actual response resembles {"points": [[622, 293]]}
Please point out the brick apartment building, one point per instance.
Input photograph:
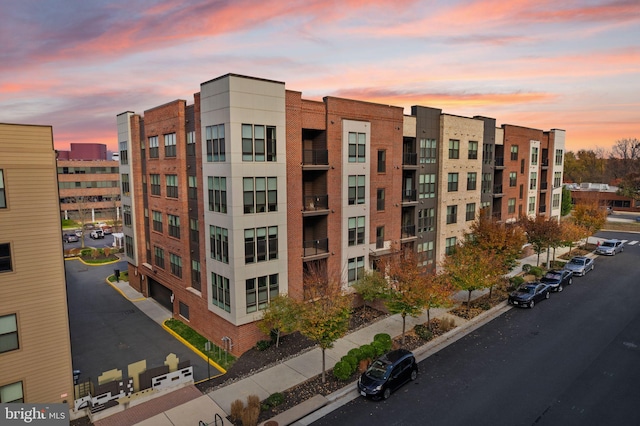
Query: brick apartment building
{"points": [[35, 350], [228, 201]]}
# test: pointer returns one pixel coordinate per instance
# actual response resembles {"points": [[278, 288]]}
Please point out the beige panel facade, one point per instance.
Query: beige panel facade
{"points": [[32, 284]]}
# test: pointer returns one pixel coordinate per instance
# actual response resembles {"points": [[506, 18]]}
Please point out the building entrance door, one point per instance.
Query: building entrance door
{"points": [[160, 294]]}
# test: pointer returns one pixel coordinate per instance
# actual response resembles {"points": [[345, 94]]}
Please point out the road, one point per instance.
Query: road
{"points": [[572, 360]]}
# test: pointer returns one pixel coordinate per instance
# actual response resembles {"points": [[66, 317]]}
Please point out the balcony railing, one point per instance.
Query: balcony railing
{"points": [[544, 185], [499, 162], [497, 189], [409, 195], [316, 202], [408, 231], [542, 209], [315, 247], [315, 157], [410, 159]]}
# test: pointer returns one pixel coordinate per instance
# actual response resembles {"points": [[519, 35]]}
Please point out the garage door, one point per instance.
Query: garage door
{"points": [[160, 294]]}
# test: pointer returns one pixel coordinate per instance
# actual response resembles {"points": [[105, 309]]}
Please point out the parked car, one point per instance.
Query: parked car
{"points": [[557, 279], [528, 294], [107, 230], [78, 232], [580, 265], [610, 247], [70, 238], [96, 234], [388, 373]]}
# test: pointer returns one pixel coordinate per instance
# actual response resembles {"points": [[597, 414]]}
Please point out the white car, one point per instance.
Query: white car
{"points": [[96, 233]]}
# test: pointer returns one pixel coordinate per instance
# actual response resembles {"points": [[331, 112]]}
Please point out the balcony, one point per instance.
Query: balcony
{"points": [[497, 191], [410, 159], [409, 196], [542, 209], [315, 248], [315, 159], [315, 204], [544, 186], [499, 163], [408, 231], [544, 163]]}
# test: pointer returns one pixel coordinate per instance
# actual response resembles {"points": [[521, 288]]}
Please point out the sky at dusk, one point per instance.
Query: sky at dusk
{"points": [[572, 65]]}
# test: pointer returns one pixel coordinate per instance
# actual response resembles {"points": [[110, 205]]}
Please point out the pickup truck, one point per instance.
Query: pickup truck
{"points": [[96, 233]]}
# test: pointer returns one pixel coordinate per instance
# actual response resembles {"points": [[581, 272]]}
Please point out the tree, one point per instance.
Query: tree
{"points": [[571, 232], [324, 317], [83, 214], [566, 205], [590, 216], [624, 157], [539, 232], [629, 186], [371, 287], [504, 241], [281, 316]]}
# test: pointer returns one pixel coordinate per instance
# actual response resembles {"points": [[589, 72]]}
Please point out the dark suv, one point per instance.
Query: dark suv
{"points": [[387, 374]]}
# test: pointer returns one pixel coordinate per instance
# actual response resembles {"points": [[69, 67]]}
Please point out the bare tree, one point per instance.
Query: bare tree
{"points": [[84, 211]]}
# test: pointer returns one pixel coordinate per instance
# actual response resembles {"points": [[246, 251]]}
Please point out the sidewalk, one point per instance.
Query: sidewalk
{"points": [[307, 365]]}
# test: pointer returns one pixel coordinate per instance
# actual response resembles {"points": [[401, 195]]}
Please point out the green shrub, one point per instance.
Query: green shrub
{"points": [[385, 339], [380, 347], [86, 252], [351, 360], [516, 281], [526, 267], [368, 351], [537, 271], [274, 399], [423, 332], [263, 345], [342, 370], [357, 353]]}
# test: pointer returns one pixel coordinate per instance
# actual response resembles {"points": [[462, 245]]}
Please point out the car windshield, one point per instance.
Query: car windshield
{"points": [[552, 276], [377, 370], [529, 289], [607, 244], [577, 262]]}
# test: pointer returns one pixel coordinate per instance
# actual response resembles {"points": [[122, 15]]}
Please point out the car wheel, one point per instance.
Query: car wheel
{"points": [[560, 288], [386, 394], [531, 304], [414, 374]]}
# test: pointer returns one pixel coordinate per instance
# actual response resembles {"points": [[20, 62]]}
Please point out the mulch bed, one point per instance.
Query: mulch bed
{"points": [[480, 305]]}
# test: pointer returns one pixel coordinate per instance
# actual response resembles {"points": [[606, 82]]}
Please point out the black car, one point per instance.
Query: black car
{"points": [[388, 373], [529, 294], [557, 279]]}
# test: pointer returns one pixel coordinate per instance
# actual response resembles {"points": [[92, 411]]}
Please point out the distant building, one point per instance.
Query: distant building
{"points": [[604, 195], [84, 151], [35, 349]]}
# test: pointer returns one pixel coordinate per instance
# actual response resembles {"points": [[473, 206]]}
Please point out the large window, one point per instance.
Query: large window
{"points": [[355, 269], [172, 186], [356, 189], [260, 244], [557, 179], [220, 294], [472, 181], [513, 179], [11, 393], [217, 194], [452, 214], [3, 195], [259, 291], [215, 143], [192, 191], [426, 219], [533, 180], [219, 241], [124, 154], [427, 186], [157, 221], [158, 255], [196, 281], [357, 147], [8, 333], [558, 157], [191, 143], [260, 194], [174, 225], [155, 184], [452, 182], [471, 211], [532, 205], [126, 215], [454, 148], [124, 181], [426, 253], [356, 231], [153, 147], [194, 230], [473, 150], [183, 308], [382, 161], [514, 152], [128, 245], [556, 201], [511, 205], [170, 145], [258, 143], [380, 237], [450, 245], [428, 151], [380, 199], [175, 262], [534, 155]]}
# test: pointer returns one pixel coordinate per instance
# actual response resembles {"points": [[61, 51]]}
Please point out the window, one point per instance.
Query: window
{"points": [[452, 182], [194, 231], [259, 291], [219, 242], [487, 155], [356, 189], [450, 245], [532, 205], [260, 194], [452, 214], [215, 143], [11, 393], [126, 215], [3, 195], [172, 186], [192, 191], [191, 143], [184, 310], [557, 179], [454, 148], [513, 179], [473, 150], [533, 180], [355, 269], [472, 181], [8, 333], [380, 237], [487, 182], [511, 205], [170, 145], [426, 219], [128, 245], [534, 155], [382, 161], [427, 186], [260, 244], [522, 166], [258, 143], [153, 147], [357, 147], [426, 252], [124, 154], [428, 151], [558, 157], [158, 256], [217, 194], [514, 152], [220, 294], [196, 281], [175, 263], [174, 225], [124, 181], [157, 221], [556, 201], [471, 211], [521, 191], [380, 199], [155, 184], [356, 231]]}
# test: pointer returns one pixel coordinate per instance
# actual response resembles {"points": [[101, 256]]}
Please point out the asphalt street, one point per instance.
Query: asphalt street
{"points": [[108, 331], [572, 360]]}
